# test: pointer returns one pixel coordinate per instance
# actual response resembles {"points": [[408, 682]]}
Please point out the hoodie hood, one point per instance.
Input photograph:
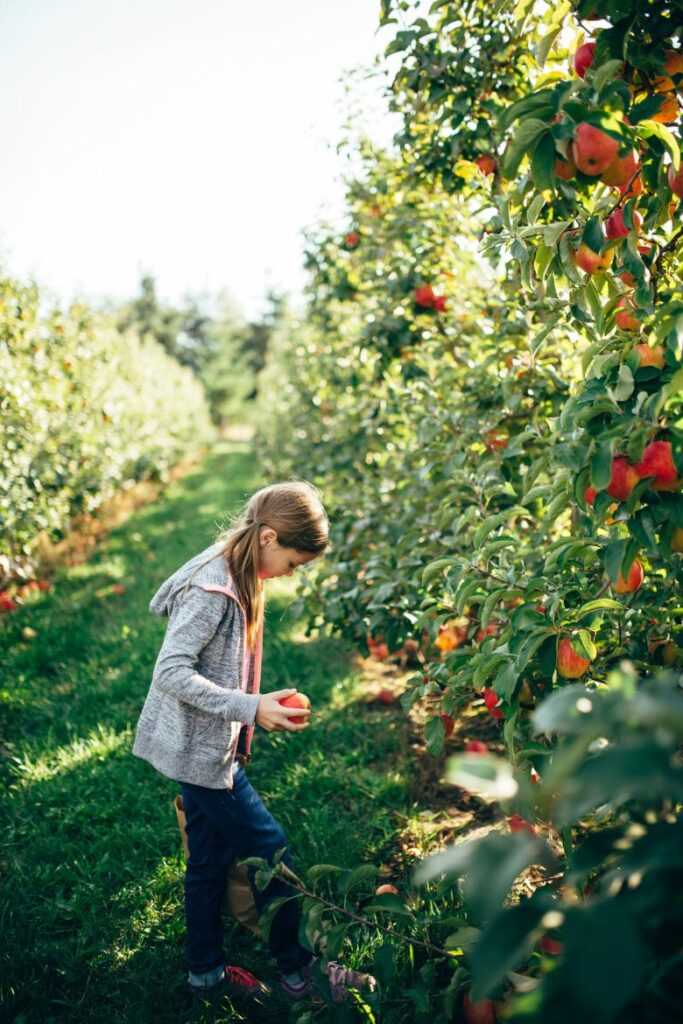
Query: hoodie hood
{"points": [[215, 572]]}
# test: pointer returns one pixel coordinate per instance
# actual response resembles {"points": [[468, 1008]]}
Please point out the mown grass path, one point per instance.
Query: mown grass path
{"points": [[92, 922]]}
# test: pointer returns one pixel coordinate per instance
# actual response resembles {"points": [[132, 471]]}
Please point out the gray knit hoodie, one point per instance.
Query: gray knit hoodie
{"points": [[201, 705]]}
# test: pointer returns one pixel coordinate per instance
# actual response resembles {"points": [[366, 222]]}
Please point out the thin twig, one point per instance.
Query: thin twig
{"points": [[363, 920]]}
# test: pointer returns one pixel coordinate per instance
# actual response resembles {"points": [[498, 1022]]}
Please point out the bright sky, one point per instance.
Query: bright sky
{"points": [[191, 138]]}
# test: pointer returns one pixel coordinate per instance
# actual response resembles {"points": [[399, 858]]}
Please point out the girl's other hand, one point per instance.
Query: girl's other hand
{"points": [[271, 715]]}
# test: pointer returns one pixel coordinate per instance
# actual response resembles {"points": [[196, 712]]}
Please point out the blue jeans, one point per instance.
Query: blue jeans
{"points": [[224, 825]]}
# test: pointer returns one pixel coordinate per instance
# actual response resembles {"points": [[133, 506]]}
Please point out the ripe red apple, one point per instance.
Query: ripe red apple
{"points": [[628, 279], [448, 724], [44, 585], [497, 437], [669, 111], [583, 58], [493, 629], [296, 700], [481, 1012], [491, 698], [621, 169], [673, 64], [352, 240], [565, 169], [624, 478], [386, 697], [424, 296], [380, 651], [590, 494], [651, 355], [552, 946], [518, 824], [118, 588], [569, 664], [593, 151], [615, 226], [623, 318], [658, 462], [7, 603], [632, 583], [486, 164], [382, 889], [592, 262], [440, 303], [676, 181], [476, 746]]}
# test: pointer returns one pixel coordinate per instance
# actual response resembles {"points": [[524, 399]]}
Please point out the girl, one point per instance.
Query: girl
{"points": [[197, 723]]}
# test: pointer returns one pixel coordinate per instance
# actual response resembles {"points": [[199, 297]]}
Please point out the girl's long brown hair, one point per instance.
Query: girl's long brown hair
{"points": [[295, 511]]}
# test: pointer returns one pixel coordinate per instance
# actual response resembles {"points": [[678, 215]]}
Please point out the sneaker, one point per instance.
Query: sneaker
{"points": [[340, 980], [235, 981]]}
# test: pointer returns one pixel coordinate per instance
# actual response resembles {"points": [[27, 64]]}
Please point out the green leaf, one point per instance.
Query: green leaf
{"points": [[582, 644], [601, 466], [434, 568], [606, 73], [524, 138], [599, 604], [543, 163], [614, 555], [490, 865], [360, 874], [435, 734], [545, 43], [650, 129]]}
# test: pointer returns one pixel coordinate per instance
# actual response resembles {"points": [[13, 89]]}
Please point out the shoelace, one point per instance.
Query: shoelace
{"points": [[238, 976]]}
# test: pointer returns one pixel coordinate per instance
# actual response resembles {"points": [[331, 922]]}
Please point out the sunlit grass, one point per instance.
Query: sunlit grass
{"points": [[91, 891]]}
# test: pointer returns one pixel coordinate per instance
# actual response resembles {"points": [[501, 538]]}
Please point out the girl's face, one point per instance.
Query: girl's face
{"points": [[278, 561]]}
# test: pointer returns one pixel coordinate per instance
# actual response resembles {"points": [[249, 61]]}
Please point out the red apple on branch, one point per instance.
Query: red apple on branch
{"points": [[592, 149], [623, 318], [632, 583], [658, 462], [624, 478], [620, 171], [615, 226], [491, 699], [651, 355], [570, 665], [583, 58]]}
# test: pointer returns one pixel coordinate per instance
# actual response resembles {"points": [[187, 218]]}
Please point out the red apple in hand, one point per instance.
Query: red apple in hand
{"points": [[296, 700]]}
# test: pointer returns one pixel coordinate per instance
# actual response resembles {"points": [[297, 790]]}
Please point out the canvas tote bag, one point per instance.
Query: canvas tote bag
{"points": [[238, 900]]}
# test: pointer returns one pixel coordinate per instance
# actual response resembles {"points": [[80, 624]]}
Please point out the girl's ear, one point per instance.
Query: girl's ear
{"points": [[267, 536]]}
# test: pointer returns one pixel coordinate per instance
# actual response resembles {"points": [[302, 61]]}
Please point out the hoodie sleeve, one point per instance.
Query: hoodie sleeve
{"points": [[190, 629]]}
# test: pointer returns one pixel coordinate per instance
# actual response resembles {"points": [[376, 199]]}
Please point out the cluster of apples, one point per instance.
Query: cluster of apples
{"points": [[8, 602], [657, 465], [426, 298]]}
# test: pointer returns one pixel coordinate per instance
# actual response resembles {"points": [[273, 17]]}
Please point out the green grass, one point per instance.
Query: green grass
{"points": [[91, 880]]}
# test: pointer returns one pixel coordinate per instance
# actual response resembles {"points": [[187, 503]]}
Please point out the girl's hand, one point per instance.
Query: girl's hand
{"points": [[271, 715]]}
